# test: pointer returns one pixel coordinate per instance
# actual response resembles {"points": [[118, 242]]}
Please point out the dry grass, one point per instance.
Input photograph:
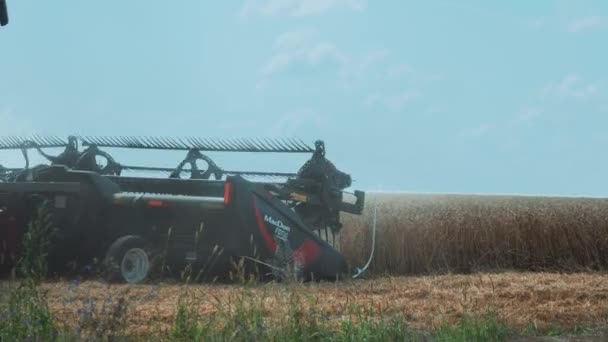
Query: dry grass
{"points": [[420, 234], [519, 300]]}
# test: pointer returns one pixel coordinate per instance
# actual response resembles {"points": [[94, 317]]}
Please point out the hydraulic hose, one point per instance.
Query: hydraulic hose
{"points": [[360, 271]]}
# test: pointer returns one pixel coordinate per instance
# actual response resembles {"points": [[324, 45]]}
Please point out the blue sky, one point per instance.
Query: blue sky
{"points": [[474, 97]]}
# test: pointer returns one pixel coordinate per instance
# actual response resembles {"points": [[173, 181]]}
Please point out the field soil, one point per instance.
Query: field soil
{"points": [[538, 301]]}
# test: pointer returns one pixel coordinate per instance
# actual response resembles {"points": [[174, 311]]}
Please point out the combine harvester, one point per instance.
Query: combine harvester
{"points": [[215, 217]]}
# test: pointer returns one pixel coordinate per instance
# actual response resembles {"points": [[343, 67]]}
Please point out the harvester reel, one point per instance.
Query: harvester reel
{"points": [[195, 173], [321, 169], [88, 161]]}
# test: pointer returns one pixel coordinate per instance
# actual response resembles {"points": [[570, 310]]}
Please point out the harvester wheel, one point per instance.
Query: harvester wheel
{"points": [[128, 260]]}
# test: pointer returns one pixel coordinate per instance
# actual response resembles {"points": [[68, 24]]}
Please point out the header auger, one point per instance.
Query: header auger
{"points": [[284, 221]]}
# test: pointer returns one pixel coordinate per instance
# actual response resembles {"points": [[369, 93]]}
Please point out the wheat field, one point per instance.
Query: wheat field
{"points": [[429, 233]]}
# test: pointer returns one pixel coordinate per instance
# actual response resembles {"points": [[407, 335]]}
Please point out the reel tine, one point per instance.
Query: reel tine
{"points": [[239, 145], [182, 144], [261, 144], [45, 141], [222, 144], [216, 144], [279, 145], [227, 144], [7, 143], [36, 139], [42, 141], [267, 144], [171, 143], [93, 140], [140, 142], [208, 144], [147, 141], [58, 141], [191, 142], [143, 142], [103, 141], [246, 144], [161, 143], [166, 143], [195, 143], [90, 140], [289, 143], [134, 142], [302, 145], [294, 143], [235, 144], [305, 146], [116, 141], [179, 144], [211, 144], [254, 145], [124, 141], [18, 142], [156, 143], [299, 145]]}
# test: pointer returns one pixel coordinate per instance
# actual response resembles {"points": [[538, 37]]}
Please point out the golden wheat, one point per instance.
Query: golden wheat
{"points": [[461, 233]]}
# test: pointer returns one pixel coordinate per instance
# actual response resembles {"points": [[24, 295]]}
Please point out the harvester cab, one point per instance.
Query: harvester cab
{"points": [[282, 225]]}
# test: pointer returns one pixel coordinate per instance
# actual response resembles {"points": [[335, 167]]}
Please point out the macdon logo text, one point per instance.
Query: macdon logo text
{"points": [[282, 230]]}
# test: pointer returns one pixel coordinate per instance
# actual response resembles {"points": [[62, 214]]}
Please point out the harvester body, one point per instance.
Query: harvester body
{"points": [[130, 227]]}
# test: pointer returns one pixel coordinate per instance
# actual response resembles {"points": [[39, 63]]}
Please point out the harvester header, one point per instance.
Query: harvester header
{"points": [[204, 220]]}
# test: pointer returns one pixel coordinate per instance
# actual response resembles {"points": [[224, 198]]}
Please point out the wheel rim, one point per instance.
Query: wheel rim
{"points": [[135, 265]]}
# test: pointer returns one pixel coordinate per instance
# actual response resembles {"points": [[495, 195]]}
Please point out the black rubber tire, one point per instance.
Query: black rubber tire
{"points": [[116, 253]]}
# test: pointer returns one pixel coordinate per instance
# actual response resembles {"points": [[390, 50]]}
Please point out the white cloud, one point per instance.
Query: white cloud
{"points": [[398, 101], [305, 48], [572, 86], [399, 71], [585, 24], [298, 8], [301, 47], [393, 102], [295, 39], [479, 131], [360, 68], [526, 116], [277, 63], [294, 122]]}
